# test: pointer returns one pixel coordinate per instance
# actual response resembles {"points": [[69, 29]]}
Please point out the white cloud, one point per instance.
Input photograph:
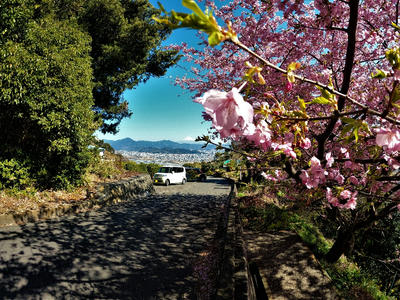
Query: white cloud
{"points": [[189, 139]]}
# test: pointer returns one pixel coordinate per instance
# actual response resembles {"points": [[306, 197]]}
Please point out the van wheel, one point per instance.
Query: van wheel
{"points": [[167, 182], [183, 181]]}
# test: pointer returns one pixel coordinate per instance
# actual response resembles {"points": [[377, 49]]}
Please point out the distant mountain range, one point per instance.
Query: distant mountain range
{"points": [[164, 146]]}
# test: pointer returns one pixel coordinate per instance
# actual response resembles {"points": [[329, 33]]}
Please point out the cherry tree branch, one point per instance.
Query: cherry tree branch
{"points": [[318, 28], [348, 68], [367, 109], [390, 100], [209, 141], [363, 161], [321, 118], [389, 178]]}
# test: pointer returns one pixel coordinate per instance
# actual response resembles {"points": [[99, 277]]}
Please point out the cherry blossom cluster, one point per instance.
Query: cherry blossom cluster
{"points": [[321, 89]]}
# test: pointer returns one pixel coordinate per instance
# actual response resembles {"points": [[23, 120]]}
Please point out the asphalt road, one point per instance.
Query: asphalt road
{"points": [[141, 249]]}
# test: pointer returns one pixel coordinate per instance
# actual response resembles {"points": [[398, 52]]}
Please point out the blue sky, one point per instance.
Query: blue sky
{"points": [[160, 109]]}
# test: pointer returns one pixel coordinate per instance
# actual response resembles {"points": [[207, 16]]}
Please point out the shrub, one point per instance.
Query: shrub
{"points": [[152, 169], [103, 168], [14, 174], [135, 167]]}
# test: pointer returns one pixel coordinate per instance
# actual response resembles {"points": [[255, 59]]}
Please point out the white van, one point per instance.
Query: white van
{"points": [[170, 174]]}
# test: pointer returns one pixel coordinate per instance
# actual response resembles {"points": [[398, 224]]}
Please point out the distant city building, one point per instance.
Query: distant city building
{"points": [[162, 158]]}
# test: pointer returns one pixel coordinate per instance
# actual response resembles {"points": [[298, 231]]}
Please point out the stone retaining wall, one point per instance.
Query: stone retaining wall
{"points": [[106, 194]]}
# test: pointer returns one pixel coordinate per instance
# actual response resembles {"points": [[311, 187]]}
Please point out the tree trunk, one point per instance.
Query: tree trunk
{"points": [[343, 244]]}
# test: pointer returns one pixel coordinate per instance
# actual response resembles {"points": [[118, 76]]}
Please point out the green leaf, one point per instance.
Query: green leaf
{"points": [[325, 93], [346, 129], [321, 100], [348, 120], [161, 7], [192, 5], [355, 132], [197, 20], [396, 95], [215, 38], [293, 66], [302, 104], [393, 56], [396, 105], [395, 26], [379, 74], [354, 126]]}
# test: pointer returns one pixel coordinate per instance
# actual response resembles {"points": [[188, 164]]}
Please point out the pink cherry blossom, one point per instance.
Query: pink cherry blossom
{"points": [[346, 194], [353, 180], [305, 143], [396, 75], [351, 165], [289, 86], [351, 199], [334, 201], [351, 204], [388, 138], [344, 152], [261, 135], [229, 112], [307, 180], [329, 159], [315, 163], [286, 148], [391, 161], [269, 177], [315, 175], [335, 175]]}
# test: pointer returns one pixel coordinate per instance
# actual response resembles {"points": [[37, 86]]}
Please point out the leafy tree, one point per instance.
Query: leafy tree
{"points": [[14, 18], [45, 101], [64, 67], [126, 49], [101, 144], [292, 84]]}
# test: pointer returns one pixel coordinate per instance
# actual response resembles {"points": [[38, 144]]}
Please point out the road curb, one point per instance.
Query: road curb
{"points": [[225, 288], [238, 280]]}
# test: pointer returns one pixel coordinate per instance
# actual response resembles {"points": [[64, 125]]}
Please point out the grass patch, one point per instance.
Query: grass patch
{"points": [[107, 169], [348, 278], [271, 218], [352, 282]]}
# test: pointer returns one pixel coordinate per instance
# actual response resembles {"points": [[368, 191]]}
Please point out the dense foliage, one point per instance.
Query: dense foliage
{"points": [[125, 48], [45, 102], [64, 66]]}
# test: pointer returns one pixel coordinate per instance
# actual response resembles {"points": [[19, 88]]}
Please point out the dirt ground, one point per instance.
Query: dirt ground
{"points": [[287, 267]]}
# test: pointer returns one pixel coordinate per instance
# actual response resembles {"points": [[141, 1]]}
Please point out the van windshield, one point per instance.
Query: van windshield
{"points": [[165, 170]]}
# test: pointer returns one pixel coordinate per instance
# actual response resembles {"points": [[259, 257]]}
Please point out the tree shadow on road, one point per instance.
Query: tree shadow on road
{"points": [[288, 266], [142, 249]]}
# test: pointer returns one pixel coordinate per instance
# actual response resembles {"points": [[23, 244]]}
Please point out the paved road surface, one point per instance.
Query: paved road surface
{"points": [[142, 249]]}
